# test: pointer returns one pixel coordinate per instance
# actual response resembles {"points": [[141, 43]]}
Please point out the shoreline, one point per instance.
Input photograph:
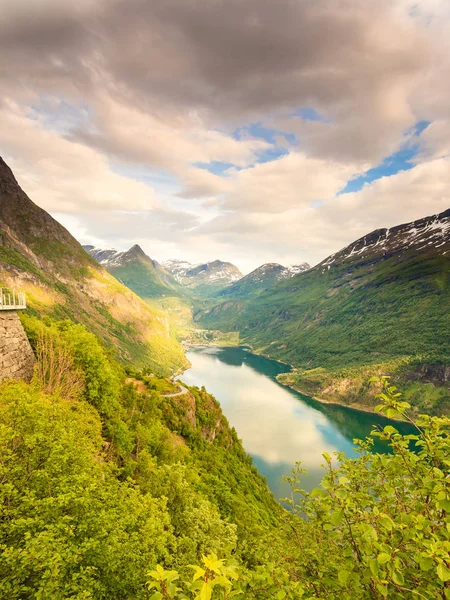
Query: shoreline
{"points": [[357, 408]]}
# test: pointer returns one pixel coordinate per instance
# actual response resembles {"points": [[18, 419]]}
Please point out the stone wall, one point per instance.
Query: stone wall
{"points": [[16, 356]]}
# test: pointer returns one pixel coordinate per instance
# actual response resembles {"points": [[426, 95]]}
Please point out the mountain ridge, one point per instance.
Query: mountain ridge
{"points": [[382, 300], [135, 269], [205, 279], [262, 278], [386, 240], [61, 280]]}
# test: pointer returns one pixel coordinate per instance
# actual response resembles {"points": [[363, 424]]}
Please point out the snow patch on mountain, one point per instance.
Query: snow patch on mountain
{"points": [[211, 272], [416, 236]]}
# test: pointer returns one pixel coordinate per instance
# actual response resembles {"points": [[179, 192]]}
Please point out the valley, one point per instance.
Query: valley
{"points": [[225, 300], [116, 454]]}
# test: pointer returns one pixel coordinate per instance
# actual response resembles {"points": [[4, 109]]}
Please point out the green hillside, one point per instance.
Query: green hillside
{"points": [[114, 488], [260, 280], [62, 281], [145, 276], [370, 304]]}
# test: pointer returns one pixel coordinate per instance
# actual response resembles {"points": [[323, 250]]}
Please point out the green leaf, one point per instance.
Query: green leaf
{"points": [[426, 563], [343, 576], [205, 592], [443, 572], [444, 504], [397, 577], [386, 522], [281, 594], [199, 572], [337, 516], [383, 558], [374, 569]]}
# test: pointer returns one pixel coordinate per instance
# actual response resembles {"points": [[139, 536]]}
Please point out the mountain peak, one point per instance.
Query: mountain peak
{"points": [[137, 249], [263, 278], [6, 175], [207, 278], [114, 258], [429, 234]]}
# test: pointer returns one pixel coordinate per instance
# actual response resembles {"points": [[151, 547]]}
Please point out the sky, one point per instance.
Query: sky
{"points": [[244, 130]]}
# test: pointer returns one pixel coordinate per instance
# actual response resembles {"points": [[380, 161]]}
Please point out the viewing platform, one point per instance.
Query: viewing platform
{"points": [[12, 300]]}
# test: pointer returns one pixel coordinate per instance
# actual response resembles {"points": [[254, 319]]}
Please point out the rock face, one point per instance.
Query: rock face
{"points": [[16, 356]]}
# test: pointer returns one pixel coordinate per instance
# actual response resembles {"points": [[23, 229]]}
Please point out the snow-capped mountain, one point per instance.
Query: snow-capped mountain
{"points": [[430, 234], [178, 268], [206, 278], [385, 296], [296, 269], [114, 258], [137, 271], [263, 278]]}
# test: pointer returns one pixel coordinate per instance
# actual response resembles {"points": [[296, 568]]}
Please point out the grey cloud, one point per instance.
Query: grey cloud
{"points": [[231, 58]]}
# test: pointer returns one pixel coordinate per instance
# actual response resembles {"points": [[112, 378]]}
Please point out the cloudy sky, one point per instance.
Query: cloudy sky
{"points": [[246, 130]]}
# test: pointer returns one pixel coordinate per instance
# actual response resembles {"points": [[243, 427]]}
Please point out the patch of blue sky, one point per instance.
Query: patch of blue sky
{"points": [[216, 167], [271, 154], [57, 114], [257, 130], [308, 113], [402, 160], [158, 179], [278, 140]]}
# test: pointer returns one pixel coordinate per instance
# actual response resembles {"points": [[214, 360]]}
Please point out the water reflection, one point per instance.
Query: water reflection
{"points": [[277, 425]]}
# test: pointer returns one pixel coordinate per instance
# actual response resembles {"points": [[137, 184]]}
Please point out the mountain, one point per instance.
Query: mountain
{"points": [[262, 279], [178, 268], [383, 299], [424, 238], [61, 280], [145, 276], [206, 279]]}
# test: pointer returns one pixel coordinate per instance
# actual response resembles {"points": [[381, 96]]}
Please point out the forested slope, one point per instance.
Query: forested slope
{"points": [[112, 489]]}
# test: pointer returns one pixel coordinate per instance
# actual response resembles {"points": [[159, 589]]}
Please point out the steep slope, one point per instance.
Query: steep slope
{"points": [[145, 276], [40, 256], [384, 298], [261, 279], [206, 279]]}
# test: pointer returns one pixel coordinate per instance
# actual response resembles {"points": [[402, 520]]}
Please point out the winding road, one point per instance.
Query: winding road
{"points": [[182, 391]]}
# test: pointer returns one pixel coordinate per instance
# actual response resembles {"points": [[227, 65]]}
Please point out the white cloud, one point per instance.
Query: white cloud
{"points": [[291, 181], [64, 176]]}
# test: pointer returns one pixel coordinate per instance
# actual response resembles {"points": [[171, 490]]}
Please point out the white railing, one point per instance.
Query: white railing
{"points": [[12, 300]]}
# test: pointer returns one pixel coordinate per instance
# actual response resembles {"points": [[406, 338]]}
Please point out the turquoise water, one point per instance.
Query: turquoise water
{"points": [[277, 425]]}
